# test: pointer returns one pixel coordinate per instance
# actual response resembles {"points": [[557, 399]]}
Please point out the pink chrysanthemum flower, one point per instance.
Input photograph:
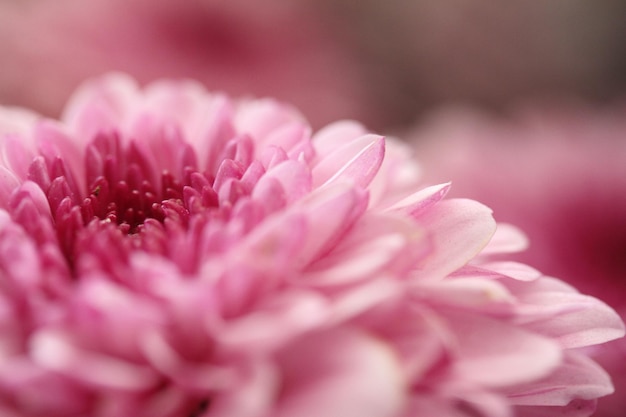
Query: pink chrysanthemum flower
{"points": [[167, 252]]}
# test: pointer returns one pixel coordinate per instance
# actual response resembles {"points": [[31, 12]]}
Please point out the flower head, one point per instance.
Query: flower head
{"points": [[170, 252]]}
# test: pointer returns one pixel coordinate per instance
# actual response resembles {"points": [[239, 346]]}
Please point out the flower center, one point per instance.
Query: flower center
{"points": [[127, 205]]}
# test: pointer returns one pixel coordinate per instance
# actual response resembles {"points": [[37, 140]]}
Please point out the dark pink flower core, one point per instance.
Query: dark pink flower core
{"points": [[127, 205]]}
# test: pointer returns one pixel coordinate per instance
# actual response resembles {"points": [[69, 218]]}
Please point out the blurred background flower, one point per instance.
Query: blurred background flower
{"points": [[278, 48], [379, 62], [431, 52]]}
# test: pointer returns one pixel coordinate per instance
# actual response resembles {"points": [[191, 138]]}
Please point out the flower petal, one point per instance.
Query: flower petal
{"points": [[8, 183], [336, 135], [332, 210], [252, 396], [358, 161], [55, 351], [470, 293], [506, 239], [577, 378], [101, 105], [341, 373], [498, 355], [275, 321], [576, 408], [584, 320], [294, 177], [261, 118], [459, 230], [420, 201]]}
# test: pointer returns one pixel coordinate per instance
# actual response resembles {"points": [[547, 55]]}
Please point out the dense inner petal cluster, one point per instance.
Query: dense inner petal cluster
{"points": [[124, 197]]}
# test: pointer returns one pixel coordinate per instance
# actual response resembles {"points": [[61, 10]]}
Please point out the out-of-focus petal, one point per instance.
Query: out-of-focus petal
{"points": [[342, 373], [498, 355], [576, 378]]}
